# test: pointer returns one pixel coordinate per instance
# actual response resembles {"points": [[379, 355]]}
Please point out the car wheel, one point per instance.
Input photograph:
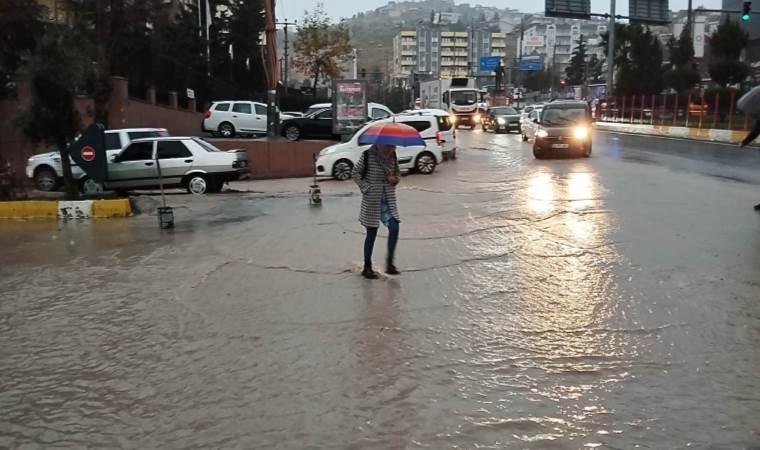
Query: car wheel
{"points": [[292, 133], [537, 153], [197, 184], [485, 129], [88, 186], [45, 179], [425, 163], [226, 130], [342, 170]]}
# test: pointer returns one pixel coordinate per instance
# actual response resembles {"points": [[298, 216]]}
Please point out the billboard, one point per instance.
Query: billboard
{"points": [[349, 105], [532, 63], [533, 41], [649, 11], [576, 9]]}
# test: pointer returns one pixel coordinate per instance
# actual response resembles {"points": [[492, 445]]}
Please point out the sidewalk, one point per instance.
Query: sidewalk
{"points": [[704, 134]]}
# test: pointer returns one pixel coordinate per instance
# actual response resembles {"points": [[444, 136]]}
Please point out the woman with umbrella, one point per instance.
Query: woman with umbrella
{"points": [[377, 174]]}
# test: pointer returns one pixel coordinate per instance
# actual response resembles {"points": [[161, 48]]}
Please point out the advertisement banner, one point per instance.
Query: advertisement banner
{"points": [[349, 105], [534, 41]]}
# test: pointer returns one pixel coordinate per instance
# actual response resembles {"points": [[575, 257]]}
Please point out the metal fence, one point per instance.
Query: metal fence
{"points": [[702, 110]]}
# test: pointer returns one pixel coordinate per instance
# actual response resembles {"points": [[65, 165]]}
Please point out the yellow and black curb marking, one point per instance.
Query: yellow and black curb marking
{"points": [[52, 209]]}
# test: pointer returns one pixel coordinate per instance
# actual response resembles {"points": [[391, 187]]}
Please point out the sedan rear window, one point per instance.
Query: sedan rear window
{"points": [[222, 107], [205, 145], [134, 135]]}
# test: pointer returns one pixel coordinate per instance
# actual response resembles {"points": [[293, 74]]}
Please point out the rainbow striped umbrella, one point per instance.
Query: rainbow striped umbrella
{"points": [[391, 133]]}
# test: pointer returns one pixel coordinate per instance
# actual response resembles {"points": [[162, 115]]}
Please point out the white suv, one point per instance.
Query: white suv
{"points": [[228, 118], [337, 161], [46, 170], [443, 131]]}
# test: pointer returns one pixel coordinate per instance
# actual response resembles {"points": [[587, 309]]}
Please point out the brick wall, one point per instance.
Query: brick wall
{"points": [[276, 158]]}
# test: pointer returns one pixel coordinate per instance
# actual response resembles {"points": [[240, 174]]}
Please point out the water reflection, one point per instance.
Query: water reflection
{"points": [[540, 193]]}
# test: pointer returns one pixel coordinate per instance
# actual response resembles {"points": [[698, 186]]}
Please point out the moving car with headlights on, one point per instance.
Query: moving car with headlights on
{"points": [[337, 161], [501, 119], [188, 162], [564, 128]]}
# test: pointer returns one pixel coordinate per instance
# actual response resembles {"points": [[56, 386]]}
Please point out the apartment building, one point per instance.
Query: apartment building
{"points": [[557, 39], [440, 52]]}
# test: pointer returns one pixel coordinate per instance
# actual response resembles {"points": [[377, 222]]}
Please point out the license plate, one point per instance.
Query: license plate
{"points": [[560, 145]]}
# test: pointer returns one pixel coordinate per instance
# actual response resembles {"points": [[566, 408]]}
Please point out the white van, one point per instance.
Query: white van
{"points": [[443, 133]]}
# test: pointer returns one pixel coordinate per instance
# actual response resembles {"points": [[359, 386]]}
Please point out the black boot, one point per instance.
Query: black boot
{"points": [[757, 207], [390, 269], [369, 274]]}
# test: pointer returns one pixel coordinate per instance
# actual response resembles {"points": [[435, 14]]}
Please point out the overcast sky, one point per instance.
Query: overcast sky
{"points": [[294, 9]]}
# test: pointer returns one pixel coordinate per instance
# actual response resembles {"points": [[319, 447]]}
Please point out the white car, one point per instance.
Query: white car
{"points": [[46, 170], [337, 161], [231, 117], [188, 162], [530, 125], [375, 111], [443, 131]]}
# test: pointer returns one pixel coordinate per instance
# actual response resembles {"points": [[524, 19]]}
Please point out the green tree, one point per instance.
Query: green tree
{"points": [[21, 22], [321, 48], [595, 69], [53, 72], [638, 60], [575, 72], [726, 45], [682, 74]]}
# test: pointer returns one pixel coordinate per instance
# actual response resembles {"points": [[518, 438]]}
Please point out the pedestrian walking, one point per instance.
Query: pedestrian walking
{"points": [[377, 173], [750, 104]]}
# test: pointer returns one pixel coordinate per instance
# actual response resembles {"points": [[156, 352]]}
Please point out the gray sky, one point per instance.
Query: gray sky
{"points": [[294, 9]]}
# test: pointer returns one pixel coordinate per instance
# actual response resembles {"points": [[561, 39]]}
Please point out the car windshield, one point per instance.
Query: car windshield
{"points": [[464, 97], [563, 117], [504, 112], [206, 146]]}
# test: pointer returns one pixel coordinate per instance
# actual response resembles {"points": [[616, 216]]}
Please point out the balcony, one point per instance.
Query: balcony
{"points": [[447, 43], [408, 53], [448, 53], [408, 34], [461, 54], [461, 43]]}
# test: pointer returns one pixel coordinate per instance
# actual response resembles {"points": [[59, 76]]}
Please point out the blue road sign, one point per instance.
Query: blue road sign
{"points": [[532, 63], [489, 63]]}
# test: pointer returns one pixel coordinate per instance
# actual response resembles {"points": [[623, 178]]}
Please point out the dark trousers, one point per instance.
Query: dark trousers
{"points": [[369, 241], [753, 133]]}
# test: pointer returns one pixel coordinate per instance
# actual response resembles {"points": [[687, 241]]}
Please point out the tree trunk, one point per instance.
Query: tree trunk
{"points": [[72, 192], [316, 79]]}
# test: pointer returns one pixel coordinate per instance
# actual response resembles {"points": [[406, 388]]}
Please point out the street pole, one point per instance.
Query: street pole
{"points": [[689, 17], [273, 75], [286, 51], [611, 49], [354, 57]]}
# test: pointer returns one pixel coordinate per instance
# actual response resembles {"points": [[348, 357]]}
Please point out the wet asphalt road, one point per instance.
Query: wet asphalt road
{"points": [[610, 302]]}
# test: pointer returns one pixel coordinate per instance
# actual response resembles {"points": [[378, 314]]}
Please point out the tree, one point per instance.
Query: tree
{"points": [[638, 60], [726, 45], [682, 74], [576, 70], [595, 69], [53, 72], [21, 22], [321, 48]]}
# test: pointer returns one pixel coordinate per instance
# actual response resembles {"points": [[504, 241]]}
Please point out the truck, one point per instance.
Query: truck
{"points": [[459, 96]]}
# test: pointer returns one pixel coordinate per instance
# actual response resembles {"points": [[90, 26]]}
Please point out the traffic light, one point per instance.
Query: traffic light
{"points": [[746, 8], [562, 83]]}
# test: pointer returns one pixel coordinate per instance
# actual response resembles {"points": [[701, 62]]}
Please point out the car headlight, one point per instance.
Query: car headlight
{"points": [[580, 132], [453, 119], [501, 120], [476, 117], [542, 134], [327, 151]]}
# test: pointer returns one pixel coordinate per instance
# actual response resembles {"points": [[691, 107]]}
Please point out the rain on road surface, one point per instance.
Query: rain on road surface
{"points": [[610, 302]]}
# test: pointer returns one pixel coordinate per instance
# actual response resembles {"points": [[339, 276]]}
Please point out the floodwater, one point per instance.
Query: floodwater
{"points": [[611, 302]]}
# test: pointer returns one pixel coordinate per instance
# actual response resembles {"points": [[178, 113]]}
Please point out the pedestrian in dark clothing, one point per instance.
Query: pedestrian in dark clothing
{"points": [[750, 104], [377, 174]]}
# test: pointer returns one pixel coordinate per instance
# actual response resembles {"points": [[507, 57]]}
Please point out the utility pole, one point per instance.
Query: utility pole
{"points": [[285, 72], [271, 68], [611, 49]]}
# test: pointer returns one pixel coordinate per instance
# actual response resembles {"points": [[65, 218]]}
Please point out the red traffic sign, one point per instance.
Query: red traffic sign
{"points": [[88, 153]]}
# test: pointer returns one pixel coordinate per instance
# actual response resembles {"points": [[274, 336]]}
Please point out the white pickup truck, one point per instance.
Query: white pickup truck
{"points": [[46, 170]]}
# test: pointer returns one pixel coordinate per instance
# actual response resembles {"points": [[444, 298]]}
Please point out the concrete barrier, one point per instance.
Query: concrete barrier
{"points": [[704, 134], [51, 209]]}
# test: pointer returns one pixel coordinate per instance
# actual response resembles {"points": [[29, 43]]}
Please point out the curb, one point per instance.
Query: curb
{"points": [[704, 134], [51, 209]]}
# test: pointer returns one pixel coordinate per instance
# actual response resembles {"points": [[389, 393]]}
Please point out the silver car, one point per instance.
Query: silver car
{"points": [[187, 162]]}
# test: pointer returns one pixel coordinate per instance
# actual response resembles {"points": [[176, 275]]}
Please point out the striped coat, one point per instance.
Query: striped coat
{"points": [[372, 187]]}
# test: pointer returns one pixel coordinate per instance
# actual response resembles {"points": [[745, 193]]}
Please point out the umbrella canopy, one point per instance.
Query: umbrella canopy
{"points": [[391, 133]]}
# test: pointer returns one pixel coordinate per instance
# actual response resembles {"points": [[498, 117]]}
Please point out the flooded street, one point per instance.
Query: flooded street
{"points": [[610, 302]]}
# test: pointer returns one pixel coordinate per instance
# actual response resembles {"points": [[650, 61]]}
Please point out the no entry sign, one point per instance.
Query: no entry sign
{"points": [[88, 153]]}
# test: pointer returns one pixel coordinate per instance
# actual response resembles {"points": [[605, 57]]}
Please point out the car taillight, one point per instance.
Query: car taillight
{"points": [[438, 137], [207, 114]]}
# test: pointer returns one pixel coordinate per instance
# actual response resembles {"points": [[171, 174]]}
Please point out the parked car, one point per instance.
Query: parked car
{"points": [[233, 117], [188, 162], [442, 131], [526, 112], [374, 110], [290, 114], [501, 119], [530, 125], [316, 125], [564, 127], [46, 170], [337, 161]]}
